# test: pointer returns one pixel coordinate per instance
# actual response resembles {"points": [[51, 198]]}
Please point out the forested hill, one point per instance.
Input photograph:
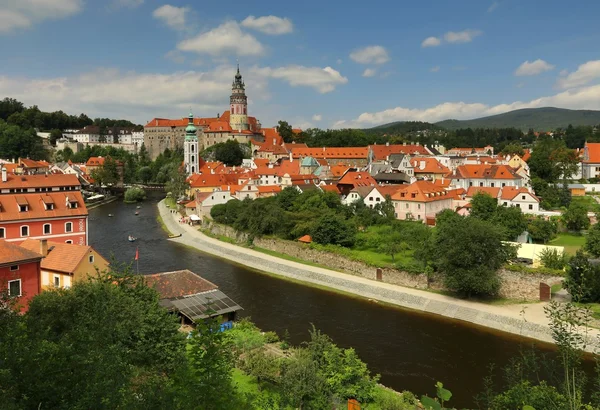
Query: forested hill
{"points": [[538, 119], [401, 127]]}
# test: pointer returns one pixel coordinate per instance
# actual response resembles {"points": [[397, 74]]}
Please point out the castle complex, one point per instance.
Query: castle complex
{"points": [[161, 133]]}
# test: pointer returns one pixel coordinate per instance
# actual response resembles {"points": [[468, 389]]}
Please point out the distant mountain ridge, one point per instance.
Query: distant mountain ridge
{"points": [[539, 119]]}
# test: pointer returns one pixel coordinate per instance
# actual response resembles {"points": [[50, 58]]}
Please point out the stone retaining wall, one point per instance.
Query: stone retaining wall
{"points": [[515, 285]]}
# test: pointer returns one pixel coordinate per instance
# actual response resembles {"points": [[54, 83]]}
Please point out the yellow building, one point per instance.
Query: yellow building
{"points": [[63, 263], [517, 162]]}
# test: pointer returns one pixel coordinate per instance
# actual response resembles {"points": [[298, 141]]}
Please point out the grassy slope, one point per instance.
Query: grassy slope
{"points": [[540, 119], [571, 242]]}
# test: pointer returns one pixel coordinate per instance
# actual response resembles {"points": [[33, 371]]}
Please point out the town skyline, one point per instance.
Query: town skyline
{"points": [[312, 69]]}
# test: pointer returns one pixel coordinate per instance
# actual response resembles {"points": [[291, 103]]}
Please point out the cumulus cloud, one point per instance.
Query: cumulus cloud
{"points": [[584, 74], [317, 117], [582, 98], [272, 25], [431, 42], [323, 80], [173, 17], [435, 69], [135, 96], [534, 68], [19, 14], [452, 37], [369, 72], [228, 38], [370, 55]]}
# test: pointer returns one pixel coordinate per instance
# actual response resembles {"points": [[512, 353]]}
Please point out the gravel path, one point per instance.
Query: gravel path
{"points": [[527, 320]]}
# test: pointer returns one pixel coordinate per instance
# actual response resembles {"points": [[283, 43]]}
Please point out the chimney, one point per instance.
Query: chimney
{"points": [[274, 141], [291, 157], [387, 144], [422, 164], [4, 176], [44, 247], [212, 171]]}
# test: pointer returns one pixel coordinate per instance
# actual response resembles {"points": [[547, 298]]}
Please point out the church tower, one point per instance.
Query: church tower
{"points": [[238, 104], [190, 148]]}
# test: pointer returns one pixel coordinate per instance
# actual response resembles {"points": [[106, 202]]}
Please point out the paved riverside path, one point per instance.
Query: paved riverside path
{"points": [[506, 318]]}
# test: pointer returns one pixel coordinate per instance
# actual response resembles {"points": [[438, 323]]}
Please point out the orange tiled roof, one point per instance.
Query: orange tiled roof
{"points": [[330, 188], [485, 171], [272, 136], [339, 170], [526, 155], [456, 193], [29, 163], [381, 152], [9, 205], [208, 166], [261, 162], [296, 131], [206, 180], [40, 181], [275, 149], [592, 150], [62, 257], [331, 152], [430, 166], [442, 182], [99, 161], [421, 191], [10, 167], [12, 254], [357, 179], [510, 192], [493, 192], [263, 189], [390, 190]]}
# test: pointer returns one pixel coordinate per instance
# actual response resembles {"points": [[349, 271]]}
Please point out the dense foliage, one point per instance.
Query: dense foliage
{"points": [[135, 194], [583, 279], [17, 142], [510, 219]]}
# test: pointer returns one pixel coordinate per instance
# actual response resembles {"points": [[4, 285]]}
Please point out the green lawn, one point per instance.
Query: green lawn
{"points": [[170, 202], [571, 242], [594, 307], [588, 202]]}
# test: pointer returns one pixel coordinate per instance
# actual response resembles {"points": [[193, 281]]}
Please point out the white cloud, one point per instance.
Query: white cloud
{"points": [[117, 4], [228, 38], [272, 25], [172, 16], [370, 55], [21, 14], [317, 117], [583, 98], [493, 7], [534, 68], [369, 72], [564, 72], [323, 80], [431, 42], [584, 74], [465, 36], [135, 96], [435, 69]]}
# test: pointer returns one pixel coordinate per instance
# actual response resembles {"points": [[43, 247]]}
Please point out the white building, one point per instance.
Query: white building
{"points": [[521, 198], [206, 200], [137, 138], [485, 175], [87, 135]]}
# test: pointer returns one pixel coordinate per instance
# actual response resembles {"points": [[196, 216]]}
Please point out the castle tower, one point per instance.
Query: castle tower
{"points": [[238, 104], [190, 148]]}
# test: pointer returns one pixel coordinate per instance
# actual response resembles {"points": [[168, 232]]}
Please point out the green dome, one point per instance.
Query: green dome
{"points": [[190, 130]]}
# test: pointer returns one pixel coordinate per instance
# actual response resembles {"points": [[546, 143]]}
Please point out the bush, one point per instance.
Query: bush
{"points": [[334, 229], [135, 194], [271, 337], [553, 259], [583, 279], [246, 336]]}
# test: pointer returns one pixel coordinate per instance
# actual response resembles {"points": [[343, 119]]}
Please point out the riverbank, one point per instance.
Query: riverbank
{"points": [[527, 320], [97, 204]]}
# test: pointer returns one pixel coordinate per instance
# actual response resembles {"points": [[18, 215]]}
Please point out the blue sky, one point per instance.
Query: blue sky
{"points": [[313, 63]]}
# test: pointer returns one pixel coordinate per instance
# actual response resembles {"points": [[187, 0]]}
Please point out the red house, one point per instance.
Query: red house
{"points": [[42, 207], [19, 273]]}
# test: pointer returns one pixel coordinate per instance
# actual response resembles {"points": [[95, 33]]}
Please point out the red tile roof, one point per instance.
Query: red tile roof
{"points": [[381, 152], [526, 155], [171, 285], [330, 188], [510, 192], [428, 165], [62, 257], [357, 179], [40, 181], [421, 191], [493, 192], [99, 161], [339, 170], [592, 150], [11, 254], [9, 205], [207, 180], [272, 136], [390, 190], [265, 189], [331, 153], [485, 171], [29, 163]]}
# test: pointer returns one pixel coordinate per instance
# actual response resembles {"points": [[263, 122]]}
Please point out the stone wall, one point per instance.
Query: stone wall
{"points": [[515, 285]]}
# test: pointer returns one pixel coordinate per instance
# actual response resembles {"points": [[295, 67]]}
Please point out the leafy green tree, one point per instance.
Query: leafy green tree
{"points": [[107, 173], [553, 259], [469, 252], [285, 130], [524, 393], [55, 135], [542, 230], [513, 149], [230, 153], [511, 219], [144, 157], [583, 279], [287, 197], [392, 244], [592, 241], [262, 365], [144, 174], [135, 194], [483, 206], [301, 383], [176, 183], [334, 229], [9, 106], [575, 217]]}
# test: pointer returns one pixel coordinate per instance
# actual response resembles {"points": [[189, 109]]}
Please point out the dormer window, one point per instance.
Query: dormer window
{"points": [[49, 207], [23, 208]]}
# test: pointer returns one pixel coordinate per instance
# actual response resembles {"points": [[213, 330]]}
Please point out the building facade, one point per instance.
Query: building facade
{"points": [[19, 273], [190, 148]]}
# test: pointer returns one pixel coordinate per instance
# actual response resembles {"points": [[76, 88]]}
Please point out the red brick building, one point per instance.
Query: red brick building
{"points": [[19, 273], [42, 207]]}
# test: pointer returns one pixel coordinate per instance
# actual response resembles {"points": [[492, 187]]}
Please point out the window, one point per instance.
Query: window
{"points": [[91, 258], [523, 197], [492, 184], [481, 184], [56, 281], [49, 207], [418, 206], [2, 233], [377, 199], [22, 208], [406, 206], [25, 230], [69, 227], [14, 268], [503, 185], [69, 241], [370, 198], [47, 229], [14, 287], [530, 207], [470, 184]]}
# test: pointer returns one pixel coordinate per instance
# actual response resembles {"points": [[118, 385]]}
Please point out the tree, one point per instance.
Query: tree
{"points": [[553, 259], [285, 130], [103, 343], [9, 106], [583, 279], [575, 217], [144, 157], [334, 229], [511, 219], [469, 253], [135, 194], [483, 206], [300, 381], [176, 183], [592, 241], [392, 244], [542, 230], [144, 174], [513, 149], [55, 135], [230, 153], [107, 173]]}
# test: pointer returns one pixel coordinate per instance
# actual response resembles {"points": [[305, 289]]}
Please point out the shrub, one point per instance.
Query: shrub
{"points": [[553, 259], [135, 194]]}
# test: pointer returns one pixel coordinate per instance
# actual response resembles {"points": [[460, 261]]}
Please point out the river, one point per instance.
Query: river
{"points": [[410, 350]]}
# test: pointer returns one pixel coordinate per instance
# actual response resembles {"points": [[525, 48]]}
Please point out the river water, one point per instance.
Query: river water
{"points": [[410, 350]]}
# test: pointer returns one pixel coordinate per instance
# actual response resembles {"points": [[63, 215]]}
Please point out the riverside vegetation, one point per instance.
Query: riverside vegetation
{"points": [[107, 343]]}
